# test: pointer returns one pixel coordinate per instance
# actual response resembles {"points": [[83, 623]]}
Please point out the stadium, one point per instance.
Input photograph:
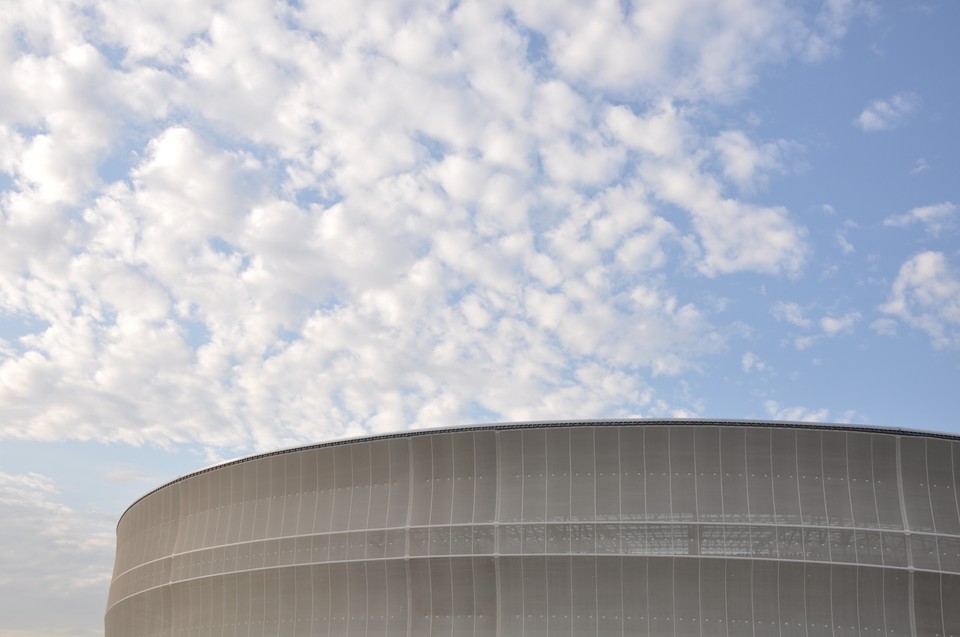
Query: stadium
{"points": [[642, 527]]}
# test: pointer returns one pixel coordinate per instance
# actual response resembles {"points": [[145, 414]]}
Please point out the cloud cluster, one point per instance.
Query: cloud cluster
{"points": [[828, 325], [886, 114], [926, 295], [51, 554], [796, 413], [935, 218], [750, 362], [251, 224]]}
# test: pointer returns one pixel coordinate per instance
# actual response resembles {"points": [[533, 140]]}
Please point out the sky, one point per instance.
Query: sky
{"points": [[229, 227]]}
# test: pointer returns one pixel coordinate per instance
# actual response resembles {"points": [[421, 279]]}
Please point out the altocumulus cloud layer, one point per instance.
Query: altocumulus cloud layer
{"points": [[230, 222], [231, 226]]}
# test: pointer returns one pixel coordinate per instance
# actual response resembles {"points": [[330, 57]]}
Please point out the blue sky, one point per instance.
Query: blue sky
{"points": [[231, 227]]}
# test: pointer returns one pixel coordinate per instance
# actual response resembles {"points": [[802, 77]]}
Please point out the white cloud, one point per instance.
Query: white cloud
{"points": [[831, 23], [661, 132], [733, 235], [689, 47], [935, 217], [841, 237], [886, 114], [795, 413], [750, 362], [833, 325], [805, 342], [242, 225], [926, 295], [746, 163], [50, 555], [829, 324], [845, 246], [884, 327], [791, 313]]}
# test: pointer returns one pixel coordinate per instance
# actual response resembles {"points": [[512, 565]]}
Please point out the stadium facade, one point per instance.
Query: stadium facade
{"points": [[568, 528]]}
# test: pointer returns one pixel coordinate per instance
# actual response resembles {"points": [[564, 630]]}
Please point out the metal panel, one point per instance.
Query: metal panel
{"points": [[913, 477], [462, 608], [885, 482], [739, 597], [709, 489], [636, 617], [792, 603], [927, 600], [308, 495], [510, 596], [360, 479], [733, 463], [380, 486], [835, 483], [759, 476], [485, 453], [869, 547], [686, 579], [559, 595], [713, 597], [534, 464], [421, 480], [607, 463], [464, 471], [786, 491], [845, 597], [813, 508], [583, 490], [950, 593], [441, 506], [421, 597], [356, 607], [291, 497], [533, 540], [376, 594], [485, 596], [656, 447], [534, 596], [400, 480], [584, 602], [510, 476], [683, 475], [943, 500], [896, 602], [860, 470], [609, 597], [633, 482], [397, 596], [558, 474], [326, 488], [278, 485], [870, 601], [765, 601], [441, 597]]}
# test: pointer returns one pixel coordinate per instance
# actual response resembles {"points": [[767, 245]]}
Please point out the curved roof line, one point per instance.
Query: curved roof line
{"points": [[532, 424]]}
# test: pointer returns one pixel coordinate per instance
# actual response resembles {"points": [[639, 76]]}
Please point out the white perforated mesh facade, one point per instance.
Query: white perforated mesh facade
{"points": [[595, 528]]}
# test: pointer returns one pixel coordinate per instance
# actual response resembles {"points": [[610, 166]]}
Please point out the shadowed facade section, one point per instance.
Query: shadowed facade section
{"points": [[589, 528]]}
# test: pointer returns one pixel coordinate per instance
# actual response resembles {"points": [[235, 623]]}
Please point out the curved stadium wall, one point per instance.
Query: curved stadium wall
{"points": [[588, 528]]}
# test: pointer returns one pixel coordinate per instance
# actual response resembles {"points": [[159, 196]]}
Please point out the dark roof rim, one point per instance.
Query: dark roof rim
{"points": [[534, 424]]}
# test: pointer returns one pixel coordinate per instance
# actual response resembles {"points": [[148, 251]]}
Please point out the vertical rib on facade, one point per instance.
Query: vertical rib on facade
{"points": [[593, 528]]}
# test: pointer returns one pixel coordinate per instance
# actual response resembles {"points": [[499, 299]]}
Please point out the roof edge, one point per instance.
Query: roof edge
{"points": [[533, 424]]}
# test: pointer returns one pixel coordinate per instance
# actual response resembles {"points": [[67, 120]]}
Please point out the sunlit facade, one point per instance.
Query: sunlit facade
{"points": [[589, 528]]}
